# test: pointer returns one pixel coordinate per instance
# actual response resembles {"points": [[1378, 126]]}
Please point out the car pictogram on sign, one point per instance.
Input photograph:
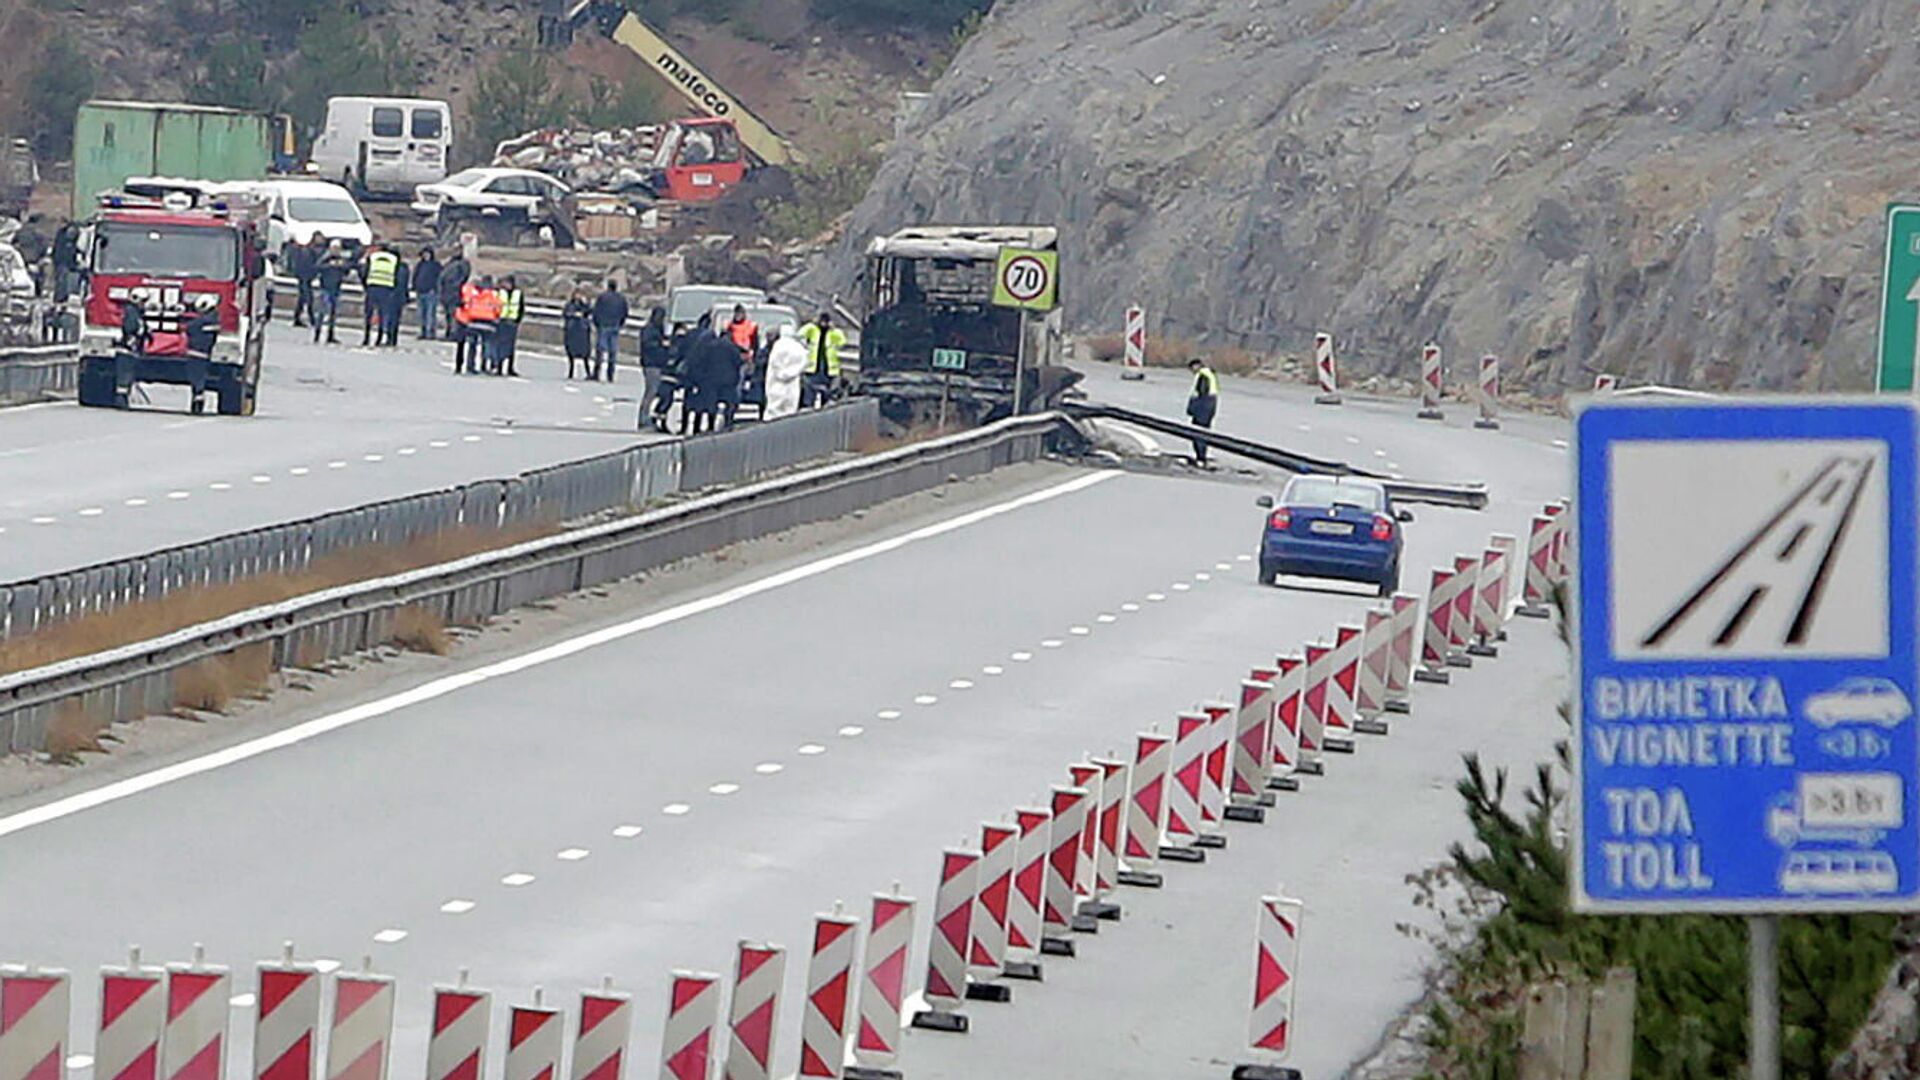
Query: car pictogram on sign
{"points": [[1861, 700]]}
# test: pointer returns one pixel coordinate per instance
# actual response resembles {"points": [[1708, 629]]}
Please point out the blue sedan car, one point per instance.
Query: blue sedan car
{"points": [[1333, 527]]}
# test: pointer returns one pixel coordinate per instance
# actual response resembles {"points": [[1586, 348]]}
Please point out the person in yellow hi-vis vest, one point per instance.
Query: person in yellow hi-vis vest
{"points": [[379, 272], [1202, 403], [824, 342], [513, 307]]}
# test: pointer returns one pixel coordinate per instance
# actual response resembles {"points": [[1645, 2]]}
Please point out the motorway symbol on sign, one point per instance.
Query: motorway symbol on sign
{"points": [[1025, 278], [1900, 300], [1746, 660], [950, 359]]}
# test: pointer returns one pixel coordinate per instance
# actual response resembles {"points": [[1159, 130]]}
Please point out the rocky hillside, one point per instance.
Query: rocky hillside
{"points": [[1687, 191]]}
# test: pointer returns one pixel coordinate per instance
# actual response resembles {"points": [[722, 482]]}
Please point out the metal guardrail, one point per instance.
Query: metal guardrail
{"points": [[140, 679], [37, 372]]}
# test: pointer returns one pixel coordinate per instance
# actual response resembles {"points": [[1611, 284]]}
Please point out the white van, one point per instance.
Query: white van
{"points": [[297, 209], [384, 146]]}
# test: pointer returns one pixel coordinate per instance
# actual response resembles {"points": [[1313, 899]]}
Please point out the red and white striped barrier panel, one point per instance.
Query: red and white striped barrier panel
{"points": [[1324, 370], [1489, 418], [883, 984], [1192, 732], [1133, 362], [693, 1012], [1313, 708], [199, 1002], [1275, 972], [600, 1038], [1406, 630], [1342, 679], [1536, 586], [1026, 935], [286, 1019], [823, 1019], [1213, 792], [1561, 557], [1247, 796], [1503, 583], [753, 1015], [1431, 383], [35, 1007], [133, 1010], [1087, 775], [1376, 655], [1486, 619], [987, 960], [1466, 579], [952, 940], [1288, 689], [534, 1042], [1113, 808], [361, 1030], [457, 1043], [1436, 638], [1057, 916], [1605, 384], [1146, 810]]}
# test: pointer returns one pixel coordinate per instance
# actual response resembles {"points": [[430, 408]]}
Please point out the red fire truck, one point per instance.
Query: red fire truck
{"points": [[175, 293]]}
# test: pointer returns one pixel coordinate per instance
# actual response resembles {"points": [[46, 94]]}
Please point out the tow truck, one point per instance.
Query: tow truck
{"points": [[175, 293]]}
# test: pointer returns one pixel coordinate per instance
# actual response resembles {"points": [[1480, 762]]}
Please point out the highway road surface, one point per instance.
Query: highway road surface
{"points": [[337, 427], [681, 769]]}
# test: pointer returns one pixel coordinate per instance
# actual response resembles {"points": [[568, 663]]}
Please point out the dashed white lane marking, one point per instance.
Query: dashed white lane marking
{"points": [[1179, 586], [1022, 657], [1354, 439], [407, 451], [503, 431], [572, 854], [960, 684], [723, 789], [1243, 558], [392, 935], [1304, 427], [441, 687], [515, 880], [768, 768], [1156, 597], [1079, 631], [336, 464], [327, 965], [91, 511], [1559, 444], [439, 444], [262, 478], [1394, 465], [812, 749], [373, 457], [179, 494], [589, 419], [1104, 617], [888, 714], [1202, 576], [469, 438], [992, 669], [85, 1061], [1129, 606], [1052, 643], [627, 832], [298, 470], [1379, 453], [242, 1001], [220, 485], [457, 907], [678, 809], [45, 520], [135, 502], [925, 699], [571, 389], [1223, 566], [852, 731]]}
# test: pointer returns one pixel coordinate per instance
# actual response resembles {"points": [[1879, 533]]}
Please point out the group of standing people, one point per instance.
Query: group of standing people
{"points": [[479, 315]]}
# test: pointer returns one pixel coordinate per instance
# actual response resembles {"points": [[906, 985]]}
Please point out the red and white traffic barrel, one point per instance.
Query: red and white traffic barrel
{"points": [[1430, 383], [1146, 810], [1489, 418], [1376, 656], [1406, 632], [1324, 372], [1313, 707], [1025, 933], [1342, 679], [952, 939], [1190, 746], [1486, 621], [883, 981], [1435, 639], [1213, 792], [830, 975], [462, 1025], [1288, 689], [35, 1007], [1276, 973], [1466, 581], [199, 1003], [753, 1015], [286, 1020], [1252, 764], [693, 1012], [361, 1029], [600, 1038], [987, 959], [133, 1011], [1057, 915], [1536, 586]]}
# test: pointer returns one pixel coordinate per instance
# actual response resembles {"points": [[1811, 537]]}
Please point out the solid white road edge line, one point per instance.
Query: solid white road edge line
{"points": [[299, 733]]}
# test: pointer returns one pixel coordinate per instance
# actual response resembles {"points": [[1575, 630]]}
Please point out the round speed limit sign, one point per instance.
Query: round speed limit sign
{"points": [[1025, 278]]}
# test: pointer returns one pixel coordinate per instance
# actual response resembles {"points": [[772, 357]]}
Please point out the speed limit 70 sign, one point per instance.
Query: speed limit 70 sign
{"points": [[1025, 278]]}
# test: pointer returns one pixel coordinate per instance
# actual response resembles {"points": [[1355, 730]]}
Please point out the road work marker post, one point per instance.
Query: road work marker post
{"points": [[1252, 750], [1376, 655], [987, 959], [1276, 967], [462, 1022], [1430, 383], [1486, 621], [1466, 584], [1024, 928], [950, 942], [286, 1018], [686, 1048], [600, 1039], [1134, 360], [133, 1010], [1560, 556], [1434, 642], [1183, 789], [1535, 586], [536, 1038], [199, 1003], [1288, 689], [35, 1008], [1146, 811], [1342, 680], [1058, 918], [1314, 739], [1604, 383], [1094, 885], [1503, 583], [883, 988], [823, 1016], [1489, 418], [1213, 790], [361, 1029], [1323, 366], [1405, 620], [1113, 808], [753, 1014]]}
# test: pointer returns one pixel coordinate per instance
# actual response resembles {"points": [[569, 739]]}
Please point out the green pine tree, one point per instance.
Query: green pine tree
{"points": [[61, 80]]}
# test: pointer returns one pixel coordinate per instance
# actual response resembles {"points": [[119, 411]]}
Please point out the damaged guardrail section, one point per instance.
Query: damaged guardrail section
{"points": [[139, 679]]}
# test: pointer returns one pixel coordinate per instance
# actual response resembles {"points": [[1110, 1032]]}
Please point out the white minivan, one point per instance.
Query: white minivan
{"points": [[297, 209], [384, 145]]}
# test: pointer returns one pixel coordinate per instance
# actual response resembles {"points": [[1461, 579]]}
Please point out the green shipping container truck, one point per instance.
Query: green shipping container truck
{"points": [[116, 140]]}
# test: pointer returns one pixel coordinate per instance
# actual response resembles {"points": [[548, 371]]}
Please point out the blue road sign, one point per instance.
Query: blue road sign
{"points": [[1745, 659]]}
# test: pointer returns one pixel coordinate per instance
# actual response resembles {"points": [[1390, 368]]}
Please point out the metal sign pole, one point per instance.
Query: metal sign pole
{"points": [[1763, 997], [1020, 367]]}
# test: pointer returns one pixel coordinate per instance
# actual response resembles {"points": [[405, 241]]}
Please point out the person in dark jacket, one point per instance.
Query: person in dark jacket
{"points": [[576, 322], [655, 357], [686, 368], [396, 302], [426, 293], [330, 277], [453, 274], [609, 315], [303, 262], [715, 369]]}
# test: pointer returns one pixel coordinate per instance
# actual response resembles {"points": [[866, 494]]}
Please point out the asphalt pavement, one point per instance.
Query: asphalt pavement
{"points": [[636, 794], [338, 427]]}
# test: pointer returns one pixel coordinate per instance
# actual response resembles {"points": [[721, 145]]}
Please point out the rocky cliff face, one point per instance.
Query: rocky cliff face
{"points": [[1687, 191]]}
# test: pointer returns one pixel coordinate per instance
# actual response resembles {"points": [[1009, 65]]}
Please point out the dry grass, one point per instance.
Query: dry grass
{"points": [[73, 731], [421, 630], [1171, 352], [211, 684]]}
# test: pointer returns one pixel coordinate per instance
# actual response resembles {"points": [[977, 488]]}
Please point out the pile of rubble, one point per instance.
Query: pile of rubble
{"points": [[614, 160]]}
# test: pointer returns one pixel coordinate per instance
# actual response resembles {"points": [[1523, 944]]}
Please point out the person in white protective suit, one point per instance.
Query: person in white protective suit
{"points": [[786, 362]]}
